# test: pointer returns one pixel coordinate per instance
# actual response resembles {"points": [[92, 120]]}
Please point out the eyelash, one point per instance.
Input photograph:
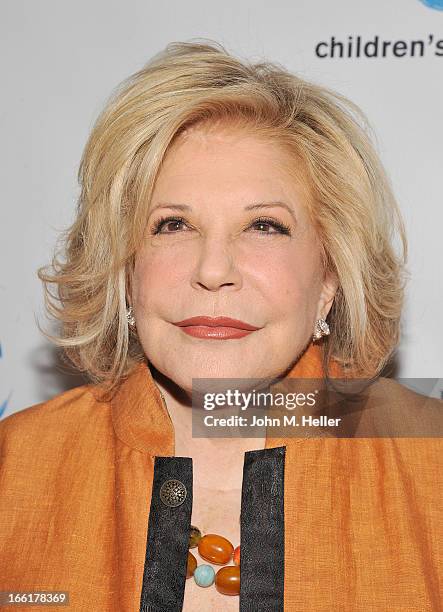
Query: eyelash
{"points": [[282, 227]]}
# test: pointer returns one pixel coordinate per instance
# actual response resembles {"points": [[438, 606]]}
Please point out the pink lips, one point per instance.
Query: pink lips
{"points": [[216, 328]]}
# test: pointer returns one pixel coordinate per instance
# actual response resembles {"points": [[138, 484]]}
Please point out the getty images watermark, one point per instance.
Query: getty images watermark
{"points": [[299, 407]]}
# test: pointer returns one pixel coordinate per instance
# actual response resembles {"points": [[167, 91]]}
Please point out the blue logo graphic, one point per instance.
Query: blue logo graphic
{"points": [[4, 404], [435, 4]]}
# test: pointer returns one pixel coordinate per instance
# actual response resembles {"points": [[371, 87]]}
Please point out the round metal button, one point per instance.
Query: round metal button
{"points": [[173, 493]]}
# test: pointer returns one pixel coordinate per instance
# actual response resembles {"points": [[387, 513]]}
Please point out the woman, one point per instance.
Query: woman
{"points": [[234, 222]]}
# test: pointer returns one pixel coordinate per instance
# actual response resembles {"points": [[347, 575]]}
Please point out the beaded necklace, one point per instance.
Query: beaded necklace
{"points": [[218, 550]]}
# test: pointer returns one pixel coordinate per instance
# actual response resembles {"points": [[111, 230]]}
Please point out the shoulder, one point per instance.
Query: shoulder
{"points": [[398, 392], [391, 398], [50, 423], [394, 416]]}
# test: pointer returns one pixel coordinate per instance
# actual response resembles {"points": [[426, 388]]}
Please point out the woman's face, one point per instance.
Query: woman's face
{"points": [[237, 243]]}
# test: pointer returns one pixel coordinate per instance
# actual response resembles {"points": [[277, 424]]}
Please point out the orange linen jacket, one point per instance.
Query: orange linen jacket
{"points": [[363, 522]]}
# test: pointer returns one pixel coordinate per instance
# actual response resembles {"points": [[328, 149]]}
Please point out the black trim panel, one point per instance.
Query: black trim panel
{"points": [[167, 543], [262, 524]]}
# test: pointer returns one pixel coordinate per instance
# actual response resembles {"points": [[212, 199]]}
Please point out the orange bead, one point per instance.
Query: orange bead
{"points": [[227, 580], [215, 548], [192, 564], [236, 555]]}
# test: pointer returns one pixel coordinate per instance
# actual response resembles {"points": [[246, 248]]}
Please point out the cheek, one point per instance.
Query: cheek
{"points": [[288, 279], [156, 276]]}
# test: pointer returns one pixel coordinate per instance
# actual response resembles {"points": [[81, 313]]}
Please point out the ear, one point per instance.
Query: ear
{"points": [[327, 295]]}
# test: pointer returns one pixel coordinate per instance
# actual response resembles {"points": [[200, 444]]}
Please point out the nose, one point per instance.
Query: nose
{"points": [[216, 266]]}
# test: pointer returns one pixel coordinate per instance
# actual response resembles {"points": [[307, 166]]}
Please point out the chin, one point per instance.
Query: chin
{"points": [[230, 371], [218, 370]]}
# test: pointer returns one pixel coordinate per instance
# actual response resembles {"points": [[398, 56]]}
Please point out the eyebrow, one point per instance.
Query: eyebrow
{"points": [[257, 206]]}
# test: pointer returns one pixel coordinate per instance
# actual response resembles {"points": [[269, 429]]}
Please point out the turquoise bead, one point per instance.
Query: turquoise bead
{"points": [[204, 575]]}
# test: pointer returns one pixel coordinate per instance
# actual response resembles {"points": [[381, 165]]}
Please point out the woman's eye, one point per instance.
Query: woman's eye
{"points": [[276, 225], [167, 222]]}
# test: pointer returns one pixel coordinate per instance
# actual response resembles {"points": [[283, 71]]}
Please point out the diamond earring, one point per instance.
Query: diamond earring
{"points": [[321, 329], [130, 317]]}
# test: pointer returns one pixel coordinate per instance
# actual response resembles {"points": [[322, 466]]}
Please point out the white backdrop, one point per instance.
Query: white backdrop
{"points": [[60, 61]]}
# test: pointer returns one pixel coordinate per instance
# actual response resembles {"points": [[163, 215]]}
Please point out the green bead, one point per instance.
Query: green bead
{"points": [[194, 536]]}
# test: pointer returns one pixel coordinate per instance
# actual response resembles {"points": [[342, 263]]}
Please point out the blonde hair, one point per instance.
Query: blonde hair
{"points": [[351, 202]]}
